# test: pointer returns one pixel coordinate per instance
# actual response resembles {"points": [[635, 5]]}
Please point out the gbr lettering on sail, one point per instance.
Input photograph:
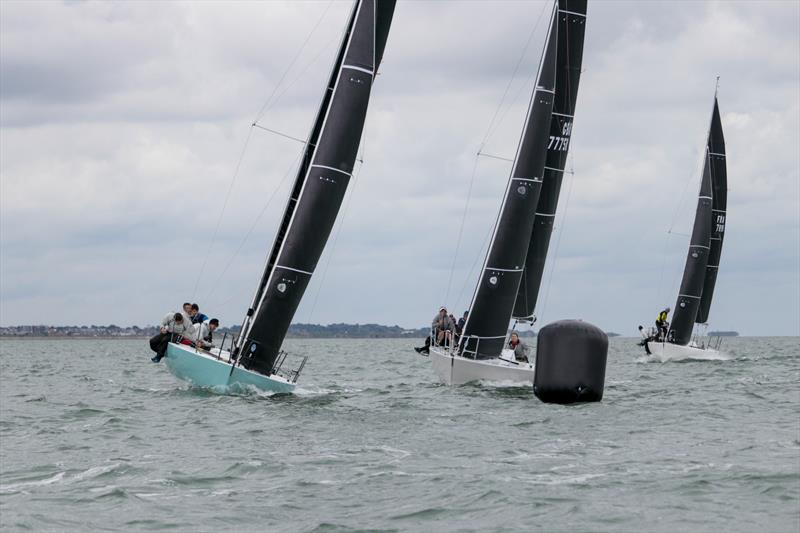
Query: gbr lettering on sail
{"points": [[561, 142]]}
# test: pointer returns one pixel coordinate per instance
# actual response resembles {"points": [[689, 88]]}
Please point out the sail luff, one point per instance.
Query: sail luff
{"points": [[325, 179], [691, 290], [305, 160], [571, 32], [719, 186], [493, 300]]}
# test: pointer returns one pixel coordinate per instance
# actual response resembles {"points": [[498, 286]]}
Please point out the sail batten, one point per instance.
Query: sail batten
{"points": [[571, 15], [323, 176], [493, 300]]}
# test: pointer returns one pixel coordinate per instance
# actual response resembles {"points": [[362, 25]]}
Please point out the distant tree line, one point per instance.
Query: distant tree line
{"points": [[301, 331]]}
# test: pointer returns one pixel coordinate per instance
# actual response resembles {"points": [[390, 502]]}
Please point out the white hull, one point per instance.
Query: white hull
{"points": [[206, 370], [457, 370], [665, 351]]}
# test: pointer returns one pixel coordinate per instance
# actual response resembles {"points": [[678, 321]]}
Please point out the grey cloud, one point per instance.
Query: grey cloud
{"points": [[115, 173]]}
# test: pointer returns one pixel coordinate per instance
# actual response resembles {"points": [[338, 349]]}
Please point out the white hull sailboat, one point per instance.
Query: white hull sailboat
{"points": [[454, 369], [512, 270], [329, 155], [700, 272], [667, 351]]}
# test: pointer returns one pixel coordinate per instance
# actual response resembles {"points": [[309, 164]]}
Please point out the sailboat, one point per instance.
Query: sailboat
{"points": [[702, 262], [326, 166], [514, 264]]}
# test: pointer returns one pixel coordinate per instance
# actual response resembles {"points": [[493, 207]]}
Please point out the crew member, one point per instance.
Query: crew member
{"points": [[521, 349]]}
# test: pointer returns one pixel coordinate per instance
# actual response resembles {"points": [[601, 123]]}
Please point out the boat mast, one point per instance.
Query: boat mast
{"points": [[694, 272], [571, 31], [719, 187], [320, 186], [493, 300], [305, 161]]}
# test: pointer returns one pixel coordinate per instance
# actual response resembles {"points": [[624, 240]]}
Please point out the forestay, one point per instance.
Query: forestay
{"points": [[493, 301], [319, 188], [694, 273], [571, 30], [719, 187]]}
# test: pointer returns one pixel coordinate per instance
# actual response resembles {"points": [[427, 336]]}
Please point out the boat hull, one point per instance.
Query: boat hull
{"points": [[204, 370], [457, 370], [666, 351]]}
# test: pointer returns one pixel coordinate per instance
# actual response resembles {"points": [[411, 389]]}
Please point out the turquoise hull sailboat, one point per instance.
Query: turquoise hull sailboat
{"points": [[256, 358], [206, 369]]}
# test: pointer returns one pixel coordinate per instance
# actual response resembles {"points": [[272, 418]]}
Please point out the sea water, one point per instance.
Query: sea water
{"points": [[93, 436]]}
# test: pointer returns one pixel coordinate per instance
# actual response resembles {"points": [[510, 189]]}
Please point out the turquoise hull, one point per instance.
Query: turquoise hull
{"points": [[202, 370]]}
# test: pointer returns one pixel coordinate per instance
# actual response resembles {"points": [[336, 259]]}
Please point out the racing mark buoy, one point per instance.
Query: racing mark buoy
{"points": [[570, 362]]}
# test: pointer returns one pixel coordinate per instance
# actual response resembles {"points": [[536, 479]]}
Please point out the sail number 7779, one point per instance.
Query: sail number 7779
{"points": [[561, 142]]}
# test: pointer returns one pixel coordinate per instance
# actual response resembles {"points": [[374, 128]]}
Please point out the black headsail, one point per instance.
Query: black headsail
{"points": [[485, 331], [571, 30], [719, 186], [320, 186], [680, 331]]}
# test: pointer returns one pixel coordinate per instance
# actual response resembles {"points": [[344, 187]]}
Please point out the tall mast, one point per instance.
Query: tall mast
{"points": [[719, 187], [493, 301], [571, 29], [694, 273], [320, 186]]}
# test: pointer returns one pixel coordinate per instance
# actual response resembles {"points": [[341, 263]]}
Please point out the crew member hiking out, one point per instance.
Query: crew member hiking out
{"points": [[172, 324]]}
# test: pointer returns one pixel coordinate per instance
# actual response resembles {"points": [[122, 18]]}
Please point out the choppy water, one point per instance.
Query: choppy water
{"points": [[95, 437]]}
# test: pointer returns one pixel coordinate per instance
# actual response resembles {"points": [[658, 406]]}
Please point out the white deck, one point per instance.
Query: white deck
{"points": [[456, 370]]}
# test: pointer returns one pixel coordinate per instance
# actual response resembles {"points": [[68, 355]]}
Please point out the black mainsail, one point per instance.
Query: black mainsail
{"points": [[493, 301], [319, 188], [571, 30], [719, 187], [694, 273]]}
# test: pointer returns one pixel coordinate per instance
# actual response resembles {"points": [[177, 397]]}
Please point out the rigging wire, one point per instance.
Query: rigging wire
{"points": [[260, 114], [461, 228], [222, 212], [481, 253], [661, 294], [351, 192], [233, 256], [490, 131], [335, 241], [269, 100], [560, 234]]}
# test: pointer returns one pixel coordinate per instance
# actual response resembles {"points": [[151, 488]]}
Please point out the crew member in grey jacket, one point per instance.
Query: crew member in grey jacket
{"points": [[521, 350], [172, 324], [442, 326]]}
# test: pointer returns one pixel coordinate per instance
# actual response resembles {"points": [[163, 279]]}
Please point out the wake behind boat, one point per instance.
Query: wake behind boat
{"points": [[676, 340], [255, 358]]}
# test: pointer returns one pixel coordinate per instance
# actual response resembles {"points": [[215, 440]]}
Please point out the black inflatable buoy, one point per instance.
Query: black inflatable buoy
{"points": [[570, 362]]}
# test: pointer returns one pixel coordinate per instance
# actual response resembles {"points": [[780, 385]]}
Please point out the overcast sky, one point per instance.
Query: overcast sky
{"points": [[122, 124]]}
